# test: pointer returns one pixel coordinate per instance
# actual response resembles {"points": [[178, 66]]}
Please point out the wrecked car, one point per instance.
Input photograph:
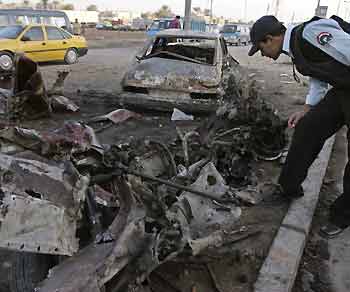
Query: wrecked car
{"points": [[182, 69]]}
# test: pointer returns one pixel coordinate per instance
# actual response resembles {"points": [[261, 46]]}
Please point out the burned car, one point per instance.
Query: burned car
{"points": [[182, 69]]}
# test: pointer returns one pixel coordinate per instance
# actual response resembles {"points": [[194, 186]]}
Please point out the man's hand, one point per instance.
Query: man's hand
{"points": [[295, 118]]}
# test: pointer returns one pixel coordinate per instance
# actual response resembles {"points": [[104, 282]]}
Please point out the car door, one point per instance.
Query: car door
{"points": [[33, 44], [57, 45]]}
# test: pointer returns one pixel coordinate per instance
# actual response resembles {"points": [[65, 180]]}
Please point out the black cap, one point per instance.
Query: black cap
{"points": [[264, 26]]}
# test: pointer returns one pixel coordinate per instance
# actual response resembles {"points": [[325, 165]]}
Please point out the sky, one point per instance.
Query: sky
{"points": [[301, 9]]}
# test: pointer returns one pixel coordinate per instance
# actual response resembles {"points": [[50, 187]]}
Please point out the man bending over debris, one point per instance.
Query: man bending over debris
{"points": [[320, 49]]}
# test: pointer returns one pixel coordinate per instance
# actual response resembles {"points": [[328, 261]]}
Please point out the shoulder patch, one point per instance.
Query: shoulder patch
{"points": [[324, 38]]}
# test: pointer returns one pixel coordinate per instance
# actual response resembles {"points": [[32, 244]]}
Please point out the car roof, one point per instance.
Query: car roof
{"points": [[32, 12], [187, 34], [35, 24]]}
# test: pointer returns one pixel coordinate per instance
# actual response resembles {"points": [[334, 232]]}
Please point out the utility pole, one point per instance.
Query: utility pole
{"points": [[277, 7], [317, 11], [45, 3], [268, 9], [188, 8], [338, 9], [211, 15]]}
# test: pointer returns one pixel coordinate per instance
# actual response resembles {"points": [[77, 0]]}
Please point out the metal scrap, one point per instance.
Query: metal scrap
{"points": [[41, 204]]}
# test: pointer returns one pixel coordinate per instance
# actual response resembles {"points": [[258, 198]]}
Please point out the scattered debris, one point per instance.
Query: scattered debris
{"points": [[180, 116], [61, 103], [144, 202], [29, 99], [117, 116]]}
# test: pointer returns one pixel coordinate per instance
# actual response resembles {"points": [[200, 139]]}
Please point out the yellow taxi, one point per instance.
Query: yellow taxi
{"points": [[41, 43]]}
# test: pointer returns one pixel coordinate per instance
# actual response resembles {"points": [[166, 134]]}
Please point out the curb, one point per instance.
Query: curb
{"points": [[280, 268]]}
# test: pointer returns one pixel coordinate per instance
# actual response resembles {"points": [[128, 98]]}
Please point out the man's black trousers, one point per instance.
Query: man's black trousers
{"points": [[311, 132]]}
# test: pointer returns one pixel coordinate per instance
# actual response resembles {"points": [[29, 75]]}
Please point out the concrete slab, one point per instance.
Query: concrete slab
{"points": [[280, 268]]}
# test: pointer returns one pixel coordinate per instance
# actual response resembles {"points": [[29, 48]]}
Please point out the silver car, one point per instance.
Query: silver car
{"points": [[177, 68]]}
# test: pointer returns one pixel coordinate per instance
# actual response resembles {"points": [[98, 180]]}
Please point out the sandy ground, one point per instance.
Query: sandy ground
{"points": [[102, 69]]}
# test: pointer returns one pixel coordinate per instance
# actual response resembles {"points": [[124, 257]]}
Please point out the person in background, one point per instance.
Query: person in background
{"points": [[83, 28], [175, 23], [76, 27]]}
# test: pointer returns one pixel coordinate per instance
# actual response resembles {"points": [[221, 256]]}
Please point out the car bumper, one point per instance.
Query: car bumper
{"points": [[166, 104], [82, 51]]}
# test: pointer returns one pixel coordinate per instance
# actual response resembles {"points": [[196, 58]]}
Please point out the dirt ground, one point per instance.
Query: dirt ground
{"points": [[102, 70]]}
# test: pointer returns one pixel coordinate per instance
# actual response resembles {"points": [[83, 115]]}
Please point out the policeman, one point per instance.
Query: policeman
{"points": [[320, 49]]}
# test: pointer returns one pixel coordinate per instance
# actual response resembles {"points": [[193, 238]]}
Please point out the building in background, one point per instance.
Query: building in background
{"points": [[321, 11], [83, 16]]}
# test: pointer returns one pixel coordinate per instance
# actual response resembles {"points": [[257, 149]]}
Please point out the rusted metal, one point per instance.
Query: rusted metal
{"points": [[40, 205]]}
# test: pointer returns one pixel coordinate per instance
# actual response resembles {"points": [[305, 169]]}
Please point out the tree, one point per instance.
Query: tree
{"points": [[164, 11], [56, 4], [92, 7], [197, 10], [146, 15], [68, 7], [44, 2]]}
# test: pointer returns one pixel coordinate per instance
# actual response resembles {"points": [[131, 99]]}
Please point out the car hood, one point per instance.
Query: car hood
{"points": [[168, 74], [5, 42]]}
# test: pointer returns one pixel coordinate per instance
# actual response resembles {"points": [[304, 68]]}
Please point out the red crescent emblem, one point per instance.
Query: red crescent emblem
{"points": [[324, 38]]}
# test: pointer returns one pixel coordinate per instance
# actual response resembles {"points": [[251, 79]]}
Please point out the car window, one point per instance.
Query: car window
{"points": [[4, 20], [66, 34], [11, 32], [34, 34], [21, 19], [198, 49], [54, 33], [46, 20], [59, 21], [34, 19]]}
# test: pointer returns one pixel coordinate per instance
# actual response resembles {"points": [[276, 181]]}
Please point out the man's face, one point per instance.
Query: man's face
{"points": [[271, 47]]}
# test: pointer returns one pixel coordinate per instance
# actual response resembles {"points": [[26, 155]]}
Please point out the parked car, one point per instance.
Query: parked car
{"points": [[197, 24], [178, 68], [41, 43], [236, 34]]}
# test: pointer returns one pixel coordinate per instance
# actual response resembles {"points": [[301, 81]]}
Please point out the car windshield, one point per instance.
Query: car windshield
{"points": [[229, 28], [155, 25], [198, 50], [160, 24], [11, 32]]}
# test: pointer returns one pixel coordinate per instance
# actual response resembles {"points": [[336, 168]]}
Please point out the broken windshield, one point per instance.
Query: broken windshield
{"points": [[197, 50]]}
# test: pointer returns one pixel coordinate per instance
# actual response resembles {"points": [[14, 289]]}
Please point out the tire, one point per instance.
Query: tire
{"points": [[6, 61], [71, 56], [27, 270]]}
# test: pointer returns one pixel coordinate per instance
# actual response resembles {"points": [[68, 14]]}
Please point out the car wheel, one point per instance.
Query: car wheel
{"points": [[6, 61], [27, 270], [71, 56]]}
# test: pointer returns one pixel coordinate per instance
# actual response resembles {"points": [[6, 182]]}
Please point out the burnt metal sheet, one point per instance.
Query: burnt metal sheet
{"points": [[40, 205], [167, 74]]}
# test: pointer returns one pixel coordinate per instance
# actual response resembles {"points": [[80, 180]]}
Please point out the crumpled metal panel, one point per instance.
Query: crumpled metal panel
{"points": [[166, 74], [40, 205]]}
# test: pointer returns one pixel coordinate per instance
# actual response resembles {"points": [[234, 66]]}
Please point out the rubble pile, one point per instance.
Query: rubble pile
{"points": [[142, 203]]}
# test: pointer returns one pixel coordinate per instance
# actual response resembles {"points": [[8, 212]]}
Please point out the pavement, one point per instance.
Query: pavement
{"points": [[280, 268], [339, 247]]}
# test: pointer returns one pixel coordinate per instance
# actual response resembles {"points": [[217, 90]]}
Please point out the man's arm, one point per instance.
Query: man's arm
{"points": [[317, 90]]}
